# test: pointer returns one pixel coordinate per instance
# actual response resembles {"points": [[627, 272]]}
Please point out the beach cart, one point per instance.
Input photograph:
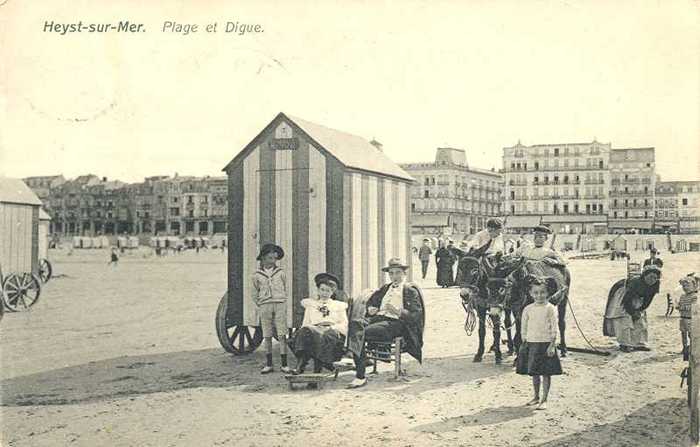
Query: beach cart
{"points": [[333, 201], [20, 208], [132, 242]]}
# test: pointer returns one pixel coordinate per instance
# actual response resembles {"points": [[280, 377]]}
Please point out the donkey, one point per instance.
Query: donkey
{"points": [[484, 286], [558, 280]]}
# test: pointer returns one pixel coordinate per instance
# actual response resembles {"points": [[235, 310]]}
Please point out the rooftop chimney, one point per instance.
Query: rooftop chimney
{"points": [[376, 144], [104, 179]]}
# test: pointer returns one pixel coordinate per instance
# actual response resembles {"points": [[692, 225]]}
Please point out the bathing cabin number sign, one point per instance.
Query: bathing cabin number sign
{"points": [[284, 144]]}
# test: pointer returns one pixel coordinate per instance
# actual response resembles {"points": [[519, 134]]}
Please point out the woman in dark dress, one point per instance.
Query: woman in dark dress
{"points": [[445, 261]]}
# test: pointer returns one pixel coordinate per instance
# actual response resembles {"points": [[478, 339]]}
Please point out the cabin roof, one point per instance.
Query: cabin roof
{"points": [[13, 190], [353, 151], [43, 215]]}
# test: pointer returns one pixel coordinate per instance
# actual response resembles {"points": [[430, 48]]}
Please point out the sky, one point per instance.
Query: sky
{"points": [[415, 75]]}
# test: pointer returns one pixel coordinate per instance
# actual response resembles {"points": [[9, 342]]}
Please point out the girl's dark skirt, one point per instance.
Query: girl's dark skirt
{"points": [[321, 343], [534, 361]]}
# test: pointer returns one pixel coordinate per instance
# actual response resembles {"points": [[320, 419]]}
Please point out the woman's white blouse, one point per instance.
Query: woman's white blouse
{"points": [[337, 313]]}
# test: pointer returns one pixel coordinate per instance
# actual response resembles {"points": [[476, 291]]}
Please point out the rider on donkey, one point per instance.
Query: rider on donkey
{"points": [[485, 243]]}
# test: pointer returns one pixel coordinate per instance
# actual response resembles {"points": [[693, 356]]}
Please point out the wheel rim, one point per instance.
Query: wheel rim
{"points": [[45, 270], [21, 292], [236, 339]]}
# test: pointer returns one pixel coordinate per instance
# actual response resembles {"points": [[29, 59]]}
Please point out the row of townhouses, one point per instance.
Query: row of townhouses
{"points": [[90, 205], [573, 188]]}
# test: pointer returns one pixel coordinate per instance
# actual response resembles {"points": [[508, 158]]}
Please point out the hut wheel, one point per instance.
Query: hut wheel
{"points": [[235, 339], [21, 291], [45, 270]]}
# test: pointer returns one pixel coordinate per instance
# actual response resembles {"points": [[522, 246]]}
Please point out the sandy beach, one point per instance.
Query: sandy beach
{"points": [[128, 356]]}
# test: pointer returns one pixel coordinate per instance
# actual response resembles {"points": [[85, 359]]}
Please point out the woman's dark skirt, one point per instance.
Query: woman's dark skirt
{"points": [[445, 274], [321, 343], [534, 361]]}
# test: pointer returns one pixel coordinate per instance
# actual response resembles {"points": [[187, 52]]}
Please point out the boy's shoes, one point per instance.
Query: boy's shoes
{"points": [[542, 405], [287, 370], [266, 370], [357, 383], [534, 401]]}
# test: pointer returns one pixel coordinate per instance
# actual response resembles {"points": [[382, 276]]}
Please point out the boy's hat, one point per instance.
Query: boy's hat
{"points": [[395, 263], [271, 248], [691, 280], [542, 229], [322, 277], [653, 250], [426, 239]]}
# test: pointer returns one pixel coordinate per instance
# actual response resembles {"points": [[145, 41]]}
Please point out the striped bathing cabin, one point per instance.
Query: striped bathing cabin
{"points": [[333, 201], [19, 228]]}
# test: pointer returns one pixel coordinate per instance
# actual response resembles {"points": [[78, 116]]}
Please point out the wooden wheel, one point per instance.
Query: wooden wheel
{"points": [[45, 270], [21, 291], [235, 339]]}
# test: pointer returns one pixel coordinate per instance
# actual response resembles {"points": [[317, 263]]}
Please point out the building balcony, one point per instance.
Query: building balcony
{"points": [[630, 193], [594, 182]]}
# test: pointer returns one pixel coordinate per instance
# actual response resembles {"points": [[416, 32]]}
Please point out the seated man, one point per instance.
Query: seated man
{"points": [[539, 252], [395, 310]]}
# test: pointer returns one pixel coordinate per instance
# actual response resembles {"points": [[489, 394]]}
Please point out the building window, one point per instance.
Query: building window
{"points": [[684, 202], [600, 164], [556, 152], [576, 208], [537, 166], [426, 194]]}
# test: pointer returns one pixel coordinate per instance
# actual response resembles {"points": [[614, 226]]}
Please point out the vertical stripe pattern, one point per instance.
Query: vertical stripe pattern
{"points": [[317, 221], [381, 231], [372, 255], [356, 229], [251, 217], [300, 203], [236, 261], [283, 206]]}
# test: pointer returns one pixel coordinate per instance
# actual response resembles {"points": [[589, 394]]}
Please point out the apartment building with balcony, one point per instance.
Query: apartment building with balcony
{"points": [[632, 190], [677, 207], [666, 217], [563, 185], [451, 196], [90, 205]]}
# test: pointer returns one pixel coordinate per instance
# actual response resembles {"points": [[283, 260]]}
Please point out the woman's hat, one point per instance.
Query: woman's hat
{"points": [[653, 250], [395, 263], [426, 240], [271, 248], [326, 277], [542, 229]]}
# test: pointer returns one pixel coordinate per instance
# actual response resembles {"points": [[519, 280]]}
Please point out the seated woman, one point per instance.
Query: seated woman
{"points": [[325, 326], [625, 314]]}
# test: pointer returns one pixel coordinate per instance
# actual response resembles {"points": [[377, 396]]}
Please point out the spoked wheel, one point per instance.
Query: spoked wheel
{"points": [[21, 291], [235, 339], [45, 270]]}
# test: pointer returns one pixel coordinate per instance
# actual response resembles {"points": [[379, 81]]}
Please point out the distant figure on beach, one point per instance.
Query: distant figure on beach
{"points": [[114, 258], [424, 256], [444, 261], [653, 259]]}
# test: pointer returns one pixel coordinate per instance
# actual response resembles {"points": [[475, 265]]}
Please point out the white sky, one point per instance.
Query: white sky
{"points": [[414, 75]]}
